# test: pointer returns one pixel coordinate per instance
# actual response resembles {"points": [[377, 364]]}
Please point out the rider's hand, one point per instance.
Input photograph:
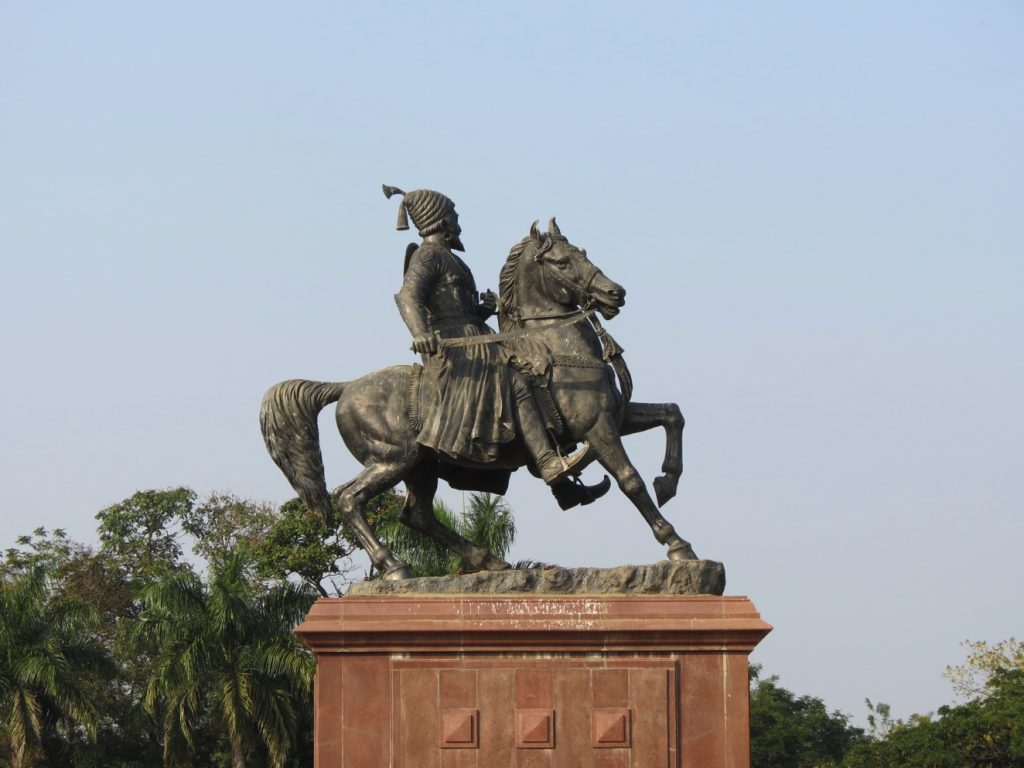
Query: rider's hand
{"points": [[488, 303], [424, 343]]}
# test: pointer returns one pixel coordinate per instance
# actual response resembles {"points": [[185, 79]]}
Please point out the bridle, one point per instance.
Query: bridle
{"points": [[581, 289]]}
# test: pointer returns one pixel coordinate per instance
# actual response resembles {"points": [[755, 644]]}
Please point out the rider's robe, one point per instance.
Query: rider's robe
{"points": [[474, 414]]}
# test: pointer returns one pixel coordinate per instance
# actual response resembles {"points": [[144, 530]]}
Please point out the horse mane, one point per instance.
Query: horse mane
{"points": [[508, 316]]}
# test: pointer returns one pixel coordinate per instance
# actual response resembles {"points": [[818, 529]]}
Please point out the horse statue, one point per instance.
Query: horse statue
{"points": [[549, 292]]}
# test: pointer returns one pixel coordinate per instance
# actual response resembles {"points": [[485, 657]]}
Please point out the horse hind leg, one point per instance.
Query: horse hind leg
{"points": [[607, 444], [418, 514], [352, 499]]}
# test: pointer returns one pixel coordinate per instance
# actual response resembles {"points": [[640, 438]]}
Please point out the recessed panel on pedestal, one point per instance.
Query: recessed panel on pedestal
{"points": [[575, 709]]}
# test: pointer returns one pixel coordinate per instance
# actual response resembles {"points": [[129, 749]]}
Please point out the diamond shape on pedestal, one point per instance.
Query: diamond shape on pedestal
{"points": [[459, 729], [535, 728], [611, 728]]}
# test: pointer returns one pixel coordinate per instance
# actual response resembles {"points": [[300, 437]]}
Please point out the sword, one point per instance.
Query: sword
{"points": [[497, 338]]}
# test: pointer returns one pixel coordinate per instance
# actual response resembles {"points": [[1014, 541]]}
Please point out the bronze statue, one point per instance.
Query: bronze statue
{"points": [[483, 401], [482, 404]]}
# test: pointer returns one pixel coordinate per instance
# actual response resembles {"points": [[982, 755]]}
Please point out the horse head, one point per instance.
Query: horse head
{"points": [[546, 276]]}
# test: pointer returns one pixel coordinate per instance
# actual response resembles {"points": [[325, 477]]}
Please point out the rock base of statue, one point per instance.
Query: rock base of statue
{"points": [[457, 680]]}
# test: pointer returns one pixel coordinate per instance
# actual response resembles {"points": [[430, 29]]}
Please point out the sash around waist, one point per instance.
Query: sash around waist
{"points": [[448, 322]]}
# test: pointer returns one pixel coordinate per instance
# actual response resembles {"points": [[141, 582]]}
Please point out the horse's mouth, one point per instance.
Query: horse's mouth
{"points": [[608, 300]]}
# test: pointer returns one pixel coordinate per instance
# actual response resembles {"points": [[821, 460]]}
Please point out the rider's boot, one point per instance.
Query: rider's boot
{"points": [[552, 466], [570, 493]]}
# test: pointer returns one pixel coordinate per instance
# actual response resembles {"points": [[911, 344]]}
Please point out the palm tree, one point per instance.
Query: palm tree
{"points": [[224, 655], [487, 522], [48, 658]]}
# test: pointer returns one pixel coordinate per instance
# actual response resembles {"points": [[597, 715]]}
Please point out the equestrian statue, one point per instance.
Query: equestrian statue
{"points": [[549, 391]]}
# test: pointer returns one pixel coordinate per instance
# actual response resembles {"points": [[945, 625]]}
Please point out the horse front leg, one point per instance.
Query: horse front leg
{"points": [[607, 445], [640, 417]]}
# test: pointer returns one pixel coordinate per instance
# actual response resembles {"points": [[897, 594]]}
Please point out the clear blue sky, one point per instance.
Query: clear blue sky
{"points": [[816, 208]]}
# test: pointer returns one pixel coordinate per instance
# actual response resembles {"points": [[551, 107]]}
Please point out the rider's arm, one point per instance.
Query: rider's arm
{"points": [[412, 299], [488, 305]]}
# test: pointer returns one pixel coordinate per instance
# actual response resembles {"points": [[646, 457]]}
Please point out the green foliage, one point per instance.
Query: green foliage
{"points": [[75, 572], [223, 522], [880, 720], [49, 549], [984, 662], [986, 732], [140, 534], [487, 522], [787, 731], [225, 657], [142, 543], [300, 542], [50, 662]]}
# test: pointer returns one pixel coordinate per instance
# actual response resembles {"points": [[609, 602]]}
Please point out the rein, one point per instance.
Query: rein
{"points": [[553, 315], [611, 352]]}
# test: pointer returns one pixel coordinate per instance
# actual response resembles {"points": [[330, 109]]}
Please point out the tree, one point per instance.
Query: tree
{"points": [[301, 543], [124, 733], [224, 521], [49, 663], [787, 731], [224, 654], [140, 534], [984, 663], [487, 522], [985, 732], [50, 549], [73, 570]]}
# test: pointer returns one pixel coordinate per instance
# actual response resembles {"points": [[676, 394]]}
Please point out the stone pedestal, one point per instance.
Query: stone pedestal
{"points": [[524, 681]]}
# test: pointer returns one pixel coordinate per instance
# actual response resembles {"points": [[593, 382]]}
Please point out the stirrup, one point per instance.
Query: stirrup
{"points": [[559, 467]]}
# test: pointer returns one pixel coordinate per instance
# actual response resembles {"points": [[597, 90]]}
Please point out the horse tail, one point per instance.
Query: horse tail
{"points": [[288, 420]]}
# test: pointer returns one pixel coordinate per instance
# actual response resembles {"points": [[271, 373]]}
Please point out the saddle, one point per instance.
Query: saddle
{"points": [[482, 479], [418, 401]]}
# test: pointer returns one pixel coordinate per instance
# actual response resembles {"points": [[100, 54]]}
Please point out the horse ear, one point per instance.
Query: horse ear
{"points": [[553, 229], [534, 232]]}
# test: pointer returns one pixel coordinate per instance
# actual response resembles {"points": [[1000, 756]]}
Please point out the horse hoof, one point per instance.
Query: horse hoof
{"points": [[681, 551], [397, 573], [664, 489], [489, 563]]}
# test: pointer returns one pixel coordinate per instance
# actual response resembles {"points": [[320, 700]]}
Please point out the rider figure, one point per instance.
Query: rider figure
{"points": [[482, 401]]}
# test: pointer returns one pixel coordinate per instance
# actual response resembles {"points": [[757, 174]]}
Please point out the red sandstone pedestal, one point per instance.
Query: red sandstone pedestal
{"points": [[465, 681]]}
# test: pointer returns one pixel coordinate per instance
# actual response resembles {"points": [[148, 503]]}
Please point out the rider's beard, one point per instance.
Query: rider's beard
{"points": [[454, 242]]}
